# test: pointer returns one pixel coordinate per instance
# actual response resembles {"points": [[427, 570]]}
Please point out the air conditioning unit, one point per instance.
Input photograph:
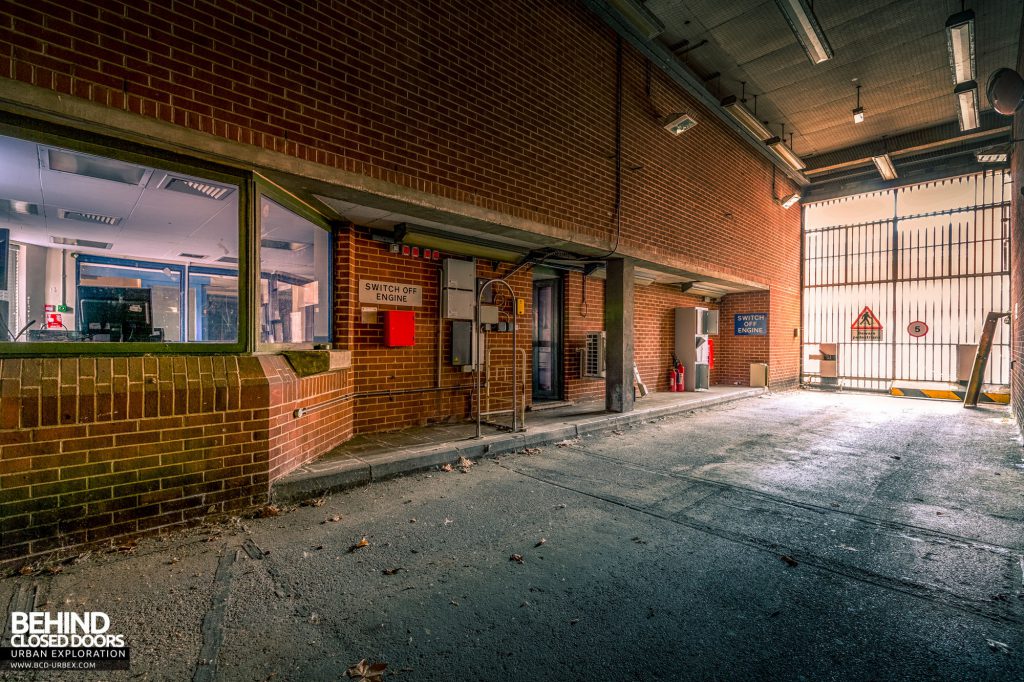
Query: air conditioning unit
{"points": [[592, 356]]}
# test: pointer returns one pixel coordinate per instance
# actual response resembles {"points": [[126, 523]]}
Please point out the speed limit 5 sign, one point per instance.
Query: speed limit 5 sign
{"points": [[917, 329]]}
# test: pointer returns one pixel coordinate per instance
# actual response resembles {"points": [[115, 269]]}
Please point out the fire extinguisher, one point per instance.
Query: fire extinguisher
{"points": [[680, 377], [672, 380]]}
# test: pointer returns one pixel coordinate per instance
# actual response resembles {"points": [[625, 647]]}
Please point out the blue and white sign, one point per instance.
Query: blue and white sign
{"points": [[751, 324]]}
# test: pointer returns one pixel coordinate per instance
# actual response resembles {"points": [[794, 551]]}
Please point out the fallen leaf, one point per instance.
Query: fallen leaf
{"points": [[331, 519], [363, 542], [540, 542], [518, 558], [26, 570], [568, 442], [390, 571], [446, 467], [453, 602], [465, 463], [268, 511], [789, 561], [531, 451], [617, 432], [315, 502], [365, 672], [412, 520]]}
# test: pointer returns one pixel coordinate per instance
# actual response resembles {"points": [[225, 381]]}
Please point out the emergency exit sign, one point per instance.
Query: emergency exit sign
{"points": [[750, 324]]}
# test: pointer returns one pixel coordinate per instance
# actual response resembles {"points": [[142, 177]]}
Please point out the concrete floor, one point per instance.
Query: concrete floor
{"points": [[661, 560]]}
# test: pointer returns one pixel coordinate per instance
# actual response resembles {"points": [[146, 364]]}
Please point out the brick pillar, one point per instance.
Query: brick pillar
{"points": [[618, 325]]}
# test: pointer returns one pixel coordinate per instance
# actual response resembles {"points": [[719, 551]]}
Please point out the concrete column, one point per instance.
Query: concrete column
{"points": [[618, 326]]}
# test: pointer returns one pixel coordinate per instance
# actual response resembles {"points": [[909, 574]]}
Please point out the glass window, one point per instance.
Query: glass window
{"points": [[295, 277], [102, 250]]}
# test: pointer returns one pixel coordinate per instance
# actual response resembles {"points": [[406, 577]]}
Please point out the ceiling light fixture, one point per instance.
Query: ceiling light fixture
{"points": [[14, 206], [793, 198], [785, 153], [678, 123], [639, 17], [807, 29], [885, 166], [95, 167], [745, 118], [82, 216], [967, 105], [960, 41], [858, 113], [989, 156]]}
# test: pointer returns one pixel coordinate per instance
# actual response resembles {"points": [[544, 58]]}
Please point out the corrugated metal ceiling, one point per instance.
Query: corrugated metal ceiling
{"points": [[895, 48]]}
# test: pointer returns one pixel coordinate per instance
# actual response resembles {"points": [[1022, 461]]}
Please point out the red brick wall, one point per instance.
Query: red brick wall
{"points": [[733, 354], [518, 120], [295, 441], [581, 318], [655, 330], [399, 387]]}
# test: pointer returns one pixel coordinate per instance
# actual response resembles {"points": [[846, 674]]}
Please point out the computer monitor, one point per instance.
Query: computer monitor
{"points": [[115, 313]]}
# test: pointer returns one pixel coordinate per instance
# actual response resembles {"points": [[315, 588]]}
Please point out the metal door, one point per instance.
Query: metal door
{"points": [[547, 339], [935, 254]]}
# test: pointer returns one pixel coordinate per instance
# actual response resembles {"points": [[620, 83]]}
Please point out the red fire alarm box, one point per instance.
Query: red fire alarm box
{"points": [[399, 328]]}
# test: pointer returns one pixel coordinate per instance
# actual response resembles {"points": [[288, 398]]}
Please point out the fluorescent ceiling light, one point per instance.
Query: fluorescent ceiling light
{"points": [[807, 29], [991, 157], [791, 200], [967, 105], [13, 206], [785, 153], [960, 41], [884, 165], [196, 188], [858, 115], [678, 123], [283, 245], [71, 241], [82, 216], [639, 17], [745, 118], [96, 167]]}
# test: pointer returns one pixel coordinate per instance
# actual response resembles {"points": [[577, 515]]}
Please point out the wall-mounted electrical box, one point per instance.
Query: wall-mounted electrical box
{"points": [[489, 314], [458, 289], [691, 344], [399, 328], [465, 344]]}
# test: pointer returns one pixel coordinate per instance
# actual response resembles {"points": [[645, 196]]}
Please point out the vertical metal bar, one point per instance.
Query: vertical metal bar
{"points": [[895, 272]]}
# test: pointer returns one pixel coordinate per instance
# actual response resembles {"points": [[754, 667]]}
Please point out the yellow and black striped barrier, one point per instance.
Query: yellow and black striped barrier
{"points": [[945, 394]]}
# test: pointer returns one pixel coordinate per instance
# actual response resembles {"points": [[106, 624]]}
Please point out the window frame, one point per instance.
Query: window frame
{"points": [[40, 132], [271, 190]]}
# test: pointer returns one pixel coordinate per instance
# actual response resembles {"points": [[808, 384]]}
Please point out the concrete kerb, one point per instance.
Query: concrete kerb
{"points": [[313, 481]]}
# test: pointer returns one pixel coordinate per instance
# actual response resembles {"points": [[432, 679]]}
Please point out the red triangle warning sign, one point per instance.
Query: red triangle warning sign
{"points": [[866, 321]]}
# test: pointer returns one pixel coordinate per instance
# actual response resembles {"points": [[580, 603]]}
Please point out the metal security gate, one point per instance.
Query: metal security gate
{"points": [[936, 253]]}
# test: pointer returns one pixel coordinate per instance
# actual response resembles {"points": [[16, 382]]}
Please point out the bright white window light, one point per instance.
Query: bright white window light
{"points": [[785, 153], [960, 40], [885, 167], [805, 25], [745, 118], [967, 105], [858, 115], [791, 200]]}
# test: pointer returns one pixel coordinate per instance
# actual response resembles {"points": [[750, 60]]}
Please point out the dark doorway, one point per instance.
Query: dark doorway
{"points": [[547, 339]]}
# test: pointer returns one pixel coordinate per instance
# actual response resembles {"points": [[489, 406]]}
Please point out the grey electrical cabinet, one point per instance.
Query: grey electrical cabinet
{"points": [[691, 344], [458, 290]]}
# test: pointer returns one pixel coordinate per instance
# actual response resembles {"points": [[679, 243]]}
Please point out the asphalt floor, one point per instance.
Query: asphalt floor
{"points": [[794, 536]]}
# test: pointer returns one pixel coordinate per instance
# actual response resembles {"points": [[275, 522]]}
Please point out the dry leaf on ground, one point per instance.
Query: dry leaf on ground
{"points": [[540, 542], [269, 510], [366, 672], [446, 467], [518, 558], [363, 542], [390, 571]]}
